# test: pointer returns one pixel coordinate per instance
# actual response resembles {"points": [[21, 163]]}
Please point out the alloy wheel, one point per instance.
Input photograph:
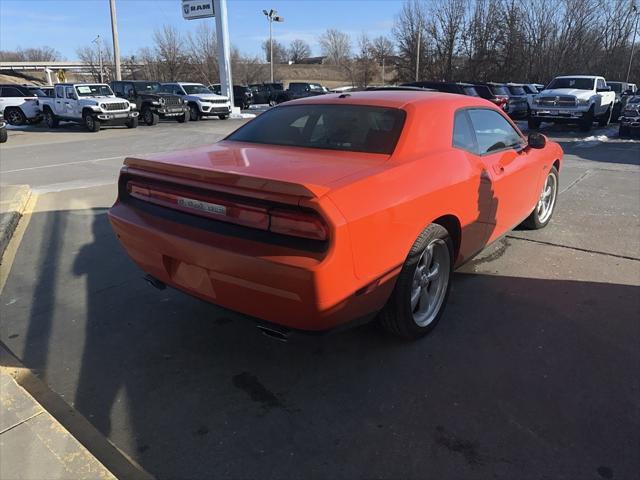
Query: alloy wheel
{"points": [[430, 280]]}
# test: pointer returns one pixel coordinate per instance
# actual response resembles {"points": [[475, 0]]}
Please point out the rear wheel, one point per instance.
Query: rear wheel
{"points": [[15, 116], [605, 120], [420, 295], [543, 212], [50, 119], [194, 113], [150, 117], [91, 122]]}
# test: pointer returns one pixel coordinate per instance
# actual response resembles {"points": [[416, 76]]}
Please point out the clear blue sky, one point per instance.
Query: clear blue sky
{"points": [[68, 24]]}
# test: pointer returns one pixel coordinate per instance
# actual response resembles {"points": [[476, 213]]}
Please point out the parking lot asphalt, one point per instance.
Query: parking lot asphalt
{"points": [[533, 373]]}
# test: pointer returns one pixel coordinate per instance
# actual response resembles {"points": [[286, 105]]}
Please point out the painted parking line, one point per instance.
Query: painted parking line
{"points": [[55, 165]]}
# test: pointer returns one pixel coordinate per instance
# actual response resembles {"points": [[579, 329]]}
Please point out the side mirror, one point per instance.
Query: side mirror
{"points": [[537, 140]]}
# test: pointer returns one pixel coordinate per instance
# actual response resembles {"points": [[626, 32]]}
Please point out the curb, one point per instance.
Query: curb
{"points": [[78, 427], [11, 212]]}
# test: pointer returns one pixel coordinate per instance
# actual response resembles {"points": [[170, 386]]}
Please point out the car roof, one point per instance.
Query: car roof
{"points": [[394, 99], [579, 76]]}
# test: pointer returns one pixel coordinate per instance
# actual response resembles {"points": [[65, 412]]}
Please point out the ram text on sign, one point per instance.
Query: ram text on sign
{"points": [[193, 9]]}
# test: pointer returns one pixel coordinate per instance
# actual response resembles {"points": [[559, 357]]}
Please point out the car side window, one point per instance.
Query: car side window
{"points": [[493, 132], [128, 90], [12, 92], [463, 135], [69, 93], [600, 83], [60, 92], [117, 88]]}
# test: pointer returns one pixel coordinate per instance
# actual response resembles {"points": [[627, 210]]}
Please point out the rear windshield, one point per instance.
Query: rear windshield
{"points": [[615, 86], [517, 91], [499, 90], [484, 92], [355, 128]]}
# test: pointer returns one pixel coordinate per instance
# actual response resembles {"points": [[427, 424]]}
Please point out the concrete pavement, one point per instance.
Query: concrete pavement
{"points": [[532, 373]]}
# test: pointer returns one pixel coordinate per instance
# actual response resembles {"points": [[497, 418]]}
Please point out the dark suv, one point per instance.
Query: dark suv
{"points": [[266, 92], [242, 96], [516, 106], [151, 102], [447, 87], [301, 90]]}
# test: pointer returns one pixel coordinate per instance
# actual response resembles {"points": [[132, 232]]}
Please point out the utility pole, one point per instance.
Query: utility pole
{"points": [[98, 42], [418, 53], [116, 42], [272, 15], [634, 9]]}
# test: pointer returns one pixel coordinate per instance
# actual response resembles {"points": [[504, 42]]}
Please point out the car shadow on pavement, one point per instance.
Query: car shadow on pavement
{"points": [[522, 375]]}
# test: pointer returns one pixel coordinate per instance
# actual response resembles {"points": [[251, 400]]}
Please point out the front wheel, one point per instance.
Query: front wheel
{"points": [[606, 118], [133, 123], [91, 122], [420, 295], [194, 113], [223, 117], [183, 118], [543, 212], [50, 119], [623, 131], [3, 135], [587, 121], [150, 117]]}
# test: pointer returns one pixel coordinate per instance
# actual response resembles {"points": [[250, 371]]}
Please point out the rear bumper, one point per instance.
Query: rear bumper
{"points": [[277, 284]]}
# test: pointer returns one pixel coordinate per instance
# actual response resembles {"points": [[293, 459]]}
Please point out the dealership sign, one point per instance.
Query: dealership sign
{"points": [[192, 9]]}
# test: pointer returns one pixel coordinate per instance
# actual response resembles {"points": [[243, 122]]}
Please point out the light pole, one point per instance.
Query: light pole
{"points": [[272, 15], [98, 42], [634, 9], [116, 42]]}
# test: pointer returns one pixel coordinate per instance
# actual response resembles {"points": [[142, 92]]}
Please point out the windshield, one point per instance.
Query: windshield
{"points": [[37, 92], [499, 90], [147, 87], [517, 91], [93, 90], [471, 91], [355, 128], [570, 82], [195, 89], [530, 89], [314, 87]]}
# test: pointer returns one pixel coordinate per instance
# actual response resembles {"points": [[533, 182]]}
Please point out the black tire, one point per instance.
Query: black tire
{"points": [[35, 121], [15, 116], [533, 123], [50, 119], [183, 118], [623, 131], [587, 121], [397, 315], [194, 113], [133, 123], [533, 221], [91, 123], [223, 117], [3, 135], [605, 120], [150, 117]]}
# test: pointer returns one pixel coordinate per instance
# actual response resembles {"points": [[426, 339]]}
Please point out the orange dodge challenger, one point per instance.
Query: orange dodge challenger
{"points": [[330, 210]]}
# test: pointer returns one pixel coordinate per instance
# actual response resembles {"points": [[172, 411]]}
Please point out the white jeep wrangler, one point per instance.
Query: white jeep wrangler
{"points": [[580, 99], [92, 104]]}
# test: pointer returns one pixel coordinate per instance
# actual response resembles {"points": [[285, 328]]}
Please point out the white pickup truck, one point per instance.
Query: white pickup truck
{"points": [[91, 104], [580, 99]]}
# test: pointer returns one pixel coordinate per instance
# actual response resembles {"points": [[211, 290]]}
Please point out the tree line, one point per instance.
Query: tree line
{"points": [[453, 40]]}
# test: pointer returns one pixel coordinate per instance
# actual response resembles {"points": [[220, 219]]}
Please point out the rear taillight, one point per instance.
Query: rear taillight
{"points": [[298, 224], [277, 220]]}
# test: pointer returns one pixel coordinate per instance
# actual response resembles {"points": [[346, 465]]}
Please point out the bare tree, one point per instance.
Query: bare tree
{"points": [[365, 63], [169, 53], [336, 46], [382, 48], [91, 56], [298, 50], [280, 54], [411, 40], [202, 52], [445, 28]]}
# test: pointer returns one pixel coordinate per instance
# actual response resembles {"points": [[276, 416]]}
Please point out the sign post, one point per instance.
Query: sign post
{"points": [[194, 9]]}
